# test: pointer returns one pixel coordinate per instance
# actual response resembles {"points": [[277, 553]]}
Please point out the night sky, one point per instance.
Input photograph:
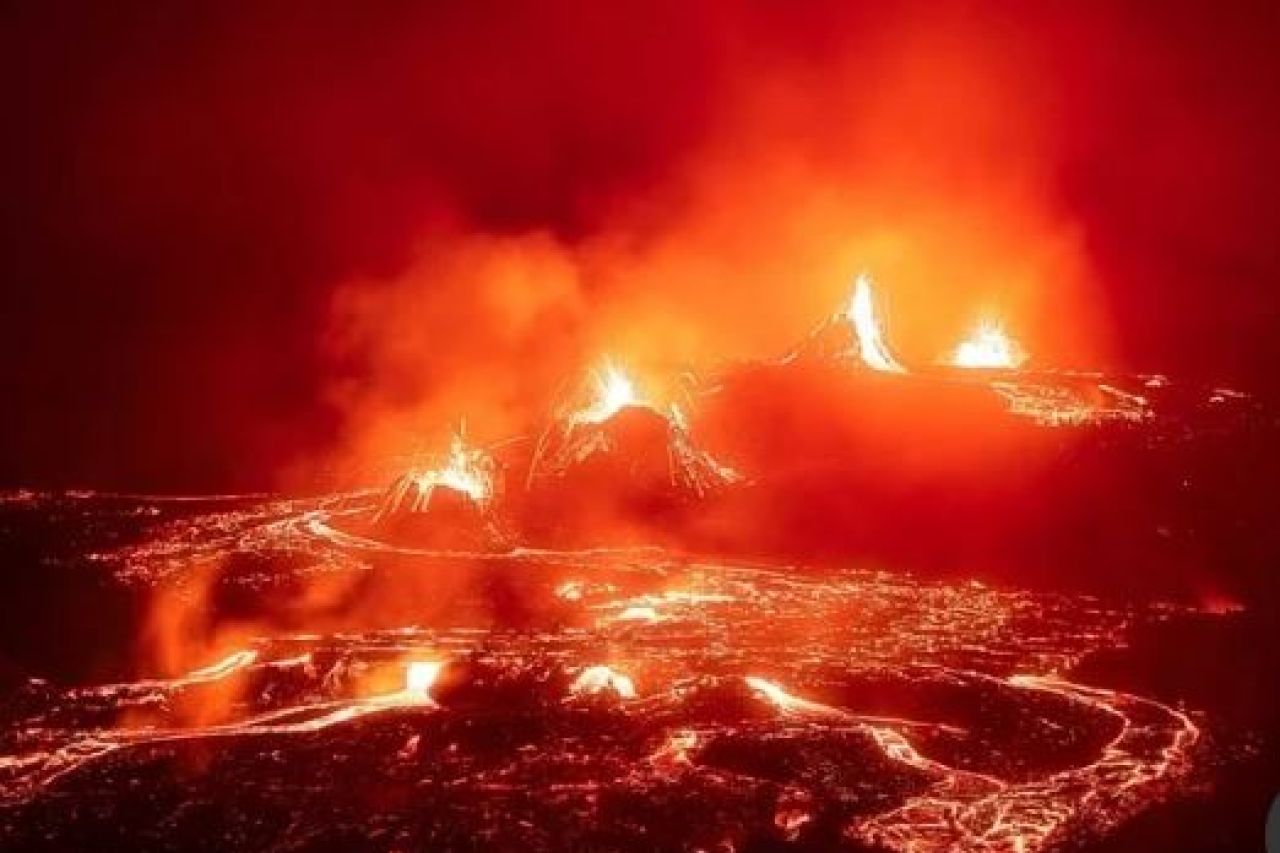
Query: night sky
{"points": [[249, 244]]}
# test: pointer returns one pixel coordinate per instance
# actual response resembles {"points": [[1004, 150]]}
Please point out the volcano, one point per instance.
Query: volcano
{"points": [[547, 667], [638, 467], [448, 506], [581, 639], [435, 517]]}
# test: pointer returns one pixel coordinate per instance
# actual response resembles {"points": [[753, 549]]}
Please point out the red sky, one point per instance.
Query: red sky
{"points": [[242, 242]]}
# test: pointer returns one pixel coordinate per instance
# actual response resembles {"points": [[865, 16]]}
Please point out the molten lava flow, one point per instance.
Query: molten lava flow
{"points": [[786, 702], [595, 680], [1091, 758], [872, 348], [419, 676], [989, 347], [214, 672], [614, 390]]}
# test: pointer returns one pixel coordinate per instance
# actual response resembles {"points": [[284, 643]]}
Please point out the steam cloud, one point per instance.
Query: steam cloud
{"points": [[250, 248]]}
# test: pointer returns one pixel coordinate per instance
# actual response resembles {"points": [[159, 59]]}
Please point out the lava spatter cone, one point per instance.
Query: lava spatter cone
{"points": [[447, 507], [442, 517], [635, 470], [630, 448]]}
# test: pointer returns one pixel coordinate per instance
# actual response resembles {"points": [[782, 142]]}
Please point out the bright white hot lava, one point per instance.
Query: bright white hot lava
{"points": [[872, 348], [989, 347], [614, 390], [600, 679]]}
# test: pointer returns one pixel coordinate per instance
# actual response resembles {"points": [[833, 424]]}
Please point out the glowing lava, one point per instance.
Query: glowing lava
{"points": [[639, 614], [595, 680], [215, 672], [466, 470], [614, 390], [419, 676], [785, 702], [989, 347], [1101, 755], [872, 348]]}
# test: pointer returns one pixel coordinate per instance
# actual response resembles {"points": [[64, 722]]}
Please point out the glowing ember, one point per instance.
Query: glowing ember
{"points": [[599, 679], [872, 348], [769, 690], [614, 390], [419, 676], [989, 347], [793, 813], [570, 590], [1072, 402]]}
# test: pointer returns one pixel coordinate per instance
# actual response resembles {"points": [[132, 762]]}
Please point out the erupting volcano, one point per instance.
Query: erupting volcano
{"points": [[448, 505], [705, 428], [445, 643]]}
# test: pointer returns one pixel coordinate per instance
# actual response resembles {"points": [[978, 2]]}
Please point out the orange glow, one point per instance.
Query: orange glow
{"points": [[639, 614], [989, 347], [872, 348], [937, 177], [419, 676]]}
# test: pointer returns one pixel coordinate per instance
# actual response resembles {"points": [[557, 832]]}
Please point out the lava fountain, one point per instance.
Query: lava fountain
{"points": [[989, 347], [872, 348], [465, 470], [419, 676], [614, 391]]}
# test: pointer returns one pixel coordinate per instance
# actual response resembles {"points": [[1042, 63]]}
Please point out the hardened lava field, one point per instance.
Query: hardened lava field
{"points": [[617, 698]]}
